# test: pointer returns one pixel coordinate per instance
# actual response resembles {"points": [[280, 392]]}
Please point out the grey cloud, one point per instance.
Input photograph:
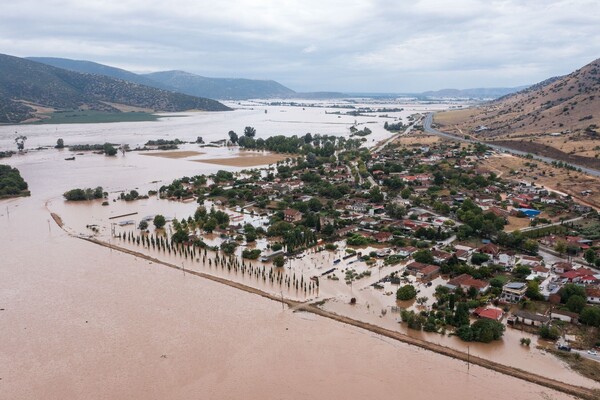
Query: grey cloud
{"points": [[363, 45]]}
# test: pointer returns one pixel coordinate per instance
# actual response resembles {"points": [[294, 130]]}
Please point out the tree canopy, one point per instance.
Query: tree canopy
{"points": [[11, 182]]}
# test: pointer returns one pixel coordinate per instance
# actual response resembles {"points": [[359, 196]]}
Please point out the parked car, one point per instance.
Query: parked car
{"points": [[592, 352], [564, 347]]}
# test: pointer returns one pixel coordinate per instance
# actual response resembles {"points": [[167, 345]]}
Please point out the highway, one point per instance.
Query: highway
{"points": [[427, 127]]}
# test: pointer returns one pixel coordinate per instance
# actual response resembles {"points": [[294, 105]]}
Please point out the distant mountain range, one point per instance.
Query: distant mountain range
{"points": [[180, 81], [477, 93], [242, 89], [89, 67], [220, 88], [27, 86]]}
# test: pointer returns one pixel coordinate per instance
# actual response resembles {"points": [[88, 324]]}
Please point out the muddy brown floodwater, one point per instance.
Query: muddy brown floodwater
{"points": [[79, 321]]}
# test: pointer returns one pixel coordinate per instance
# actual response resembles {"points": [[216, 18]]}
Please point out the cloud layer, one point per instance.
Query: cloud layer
{"points": [[360, 45]]}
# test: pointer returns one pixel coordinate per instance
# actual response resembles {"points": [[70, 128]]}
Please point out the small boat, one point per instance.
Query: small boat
{"points": [[70, 159]]}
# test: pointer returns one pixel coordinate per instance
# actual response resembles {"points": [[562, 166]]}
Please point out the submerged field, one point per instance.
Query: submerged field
{"points": [[94, 117], [161, 332]]}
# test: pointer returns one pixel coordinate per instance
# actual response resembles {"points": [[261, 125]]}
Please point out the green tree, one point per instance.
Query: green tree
{"points": [[531, 246], [576, 303], [533, 291], [159, 221], [487, 330], [569, 290], [314, 204], [461, 315], [210, 225], [228, 247], [479, 258], [549, 332], [590, 316], [143, 225], [279, 261], [560, 247], [60, 144], [249, 132], [423, 256], [521, 271], [405, 193], [395, 210], [375, 194], [109, 149], [590, 256], [406, 292], [328, 230]]}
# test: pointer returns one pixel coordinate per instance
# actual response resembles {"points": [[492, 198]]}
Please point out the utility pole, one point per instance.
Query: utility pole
{"points": [[468, 358]]}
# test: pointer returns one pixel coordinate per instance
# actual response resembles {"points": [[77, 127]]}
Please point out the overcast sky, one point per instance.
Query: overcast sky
{"points": [[309, 45]]}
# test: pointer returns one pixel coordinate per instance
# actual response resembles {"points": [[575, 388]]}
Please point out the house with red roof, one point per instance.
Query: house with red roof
{"points": [[420, 270], [440, 256], [561, 267], [489, 249], [291, 215], [489, 313], [382, 236], [579, 276], [466, 282]]}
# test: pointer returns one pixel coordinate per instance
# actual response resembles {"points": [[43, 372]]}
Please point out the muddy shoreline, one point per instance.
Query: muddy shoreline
{"points": [[581, 392]]}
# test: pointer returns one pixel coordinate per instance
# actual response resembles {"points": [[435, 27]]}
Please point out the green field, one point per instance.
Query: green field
{"points": [[94, 117]]}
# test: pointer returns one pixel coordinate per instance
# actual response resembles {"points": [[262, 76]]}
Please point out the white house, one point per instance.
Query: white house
{"points": [[593, 295]]}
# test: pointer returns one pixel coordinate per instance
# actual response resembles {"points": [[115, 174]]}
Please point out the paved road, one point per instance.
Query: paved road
{"points": [[427, 127], [586, 355]]}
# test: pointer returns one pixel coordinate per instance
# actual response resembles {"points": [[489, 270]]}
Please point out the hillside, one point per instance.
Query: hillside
{"points": [[558, 117], [220, 88], [89, 67], [27, 86]]}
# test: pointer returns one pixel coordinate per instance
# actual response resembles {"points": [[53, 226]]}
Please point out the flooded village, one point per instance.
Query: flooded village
{"points": [[367, 245]]}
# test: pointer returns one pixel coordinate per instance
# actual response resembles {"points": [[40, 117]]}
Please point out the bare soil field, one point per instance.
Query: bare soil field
{"points": [[173, 154], [454, 117], [247, 159], [418, 139], [559, 179], [515, 223]]}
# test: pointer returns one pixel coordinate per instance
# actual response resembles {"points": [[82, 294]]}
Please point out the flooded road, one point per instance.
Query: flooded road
{"points": [[80, 321]]}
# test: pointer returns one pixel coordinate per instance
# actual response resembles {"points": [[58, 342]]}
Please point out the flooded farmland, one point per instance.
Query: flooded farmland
{"points": [[81, 321]]}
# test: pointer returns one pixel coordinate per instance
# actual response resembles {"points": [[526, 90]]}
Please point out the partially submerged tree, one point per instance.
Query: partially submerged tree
{"points": [[20, 141], [233, 137], [249, 131]]}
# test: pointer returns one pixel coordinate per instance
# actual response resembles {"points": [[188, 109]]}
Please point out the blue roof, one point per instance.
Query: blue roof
{"points": [[529, 211]]}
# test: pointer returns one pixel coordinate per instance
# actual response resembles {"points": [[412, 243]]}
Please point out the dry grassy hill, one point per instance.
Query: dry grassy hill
{"points": [[559, 117]]}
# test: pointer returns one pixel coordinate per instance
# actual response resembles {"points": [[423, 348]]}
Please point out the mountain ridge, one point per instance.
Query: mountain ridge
{"points": [[26, 85], [179, 81], [221, 88], [558, 116]]}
